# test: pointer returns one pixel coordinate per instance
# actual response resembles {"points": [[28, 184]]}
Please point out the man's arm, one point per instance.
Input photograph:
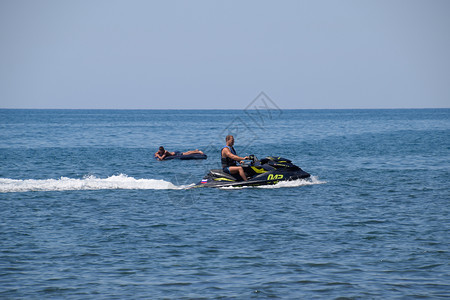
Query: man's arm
{"points": [[165, 154], [228, 153]]}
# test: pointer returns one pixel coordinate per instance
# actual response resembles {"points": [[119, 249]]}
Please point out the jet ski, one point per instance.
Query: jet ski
{"points": [[267, 171]]}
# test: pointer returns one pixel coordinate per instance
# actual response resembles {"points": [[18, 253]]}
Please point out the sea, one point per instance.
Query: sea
{"points": [[86, 212]]}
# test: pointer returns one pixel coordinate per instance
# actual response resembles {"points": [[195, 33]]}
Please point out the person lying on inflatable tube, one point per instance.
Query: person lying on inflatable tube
{"points": [[163, 153]]}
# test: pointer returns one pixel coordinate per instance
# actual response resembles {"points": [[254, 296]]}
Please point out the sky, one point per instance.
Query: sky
{"points": [[324, 54]]}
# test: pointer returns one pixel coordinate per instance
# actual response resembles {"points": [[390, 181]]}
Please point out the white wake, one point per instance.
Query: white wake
{"points": [[118, 182], [294, 183], [285, 184], [87, 183]]}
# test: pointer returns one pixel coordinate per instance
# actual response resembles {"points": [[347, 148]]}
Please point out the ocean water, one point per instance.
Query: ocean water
{"points": [[86, 212]]}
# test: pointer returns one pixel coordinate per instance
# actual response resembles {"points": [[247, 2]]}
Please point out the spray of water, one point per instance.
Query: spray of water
{"points": [[115, 182]]}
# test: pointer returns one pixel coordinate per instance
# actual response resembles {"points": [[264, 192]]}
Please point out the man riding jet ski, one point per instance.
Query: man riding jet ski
{"points": [[269, 170], [229, 158]]}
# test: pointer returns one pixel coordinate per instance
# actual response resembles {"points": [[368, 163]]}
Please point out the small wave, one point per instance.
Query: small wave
{"points": [[284, 184], [87, 183]]}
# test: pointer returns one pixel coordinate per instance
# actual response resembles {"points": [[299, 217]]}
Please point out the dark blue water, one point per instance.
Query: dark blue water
{"points": [[86, 212]]}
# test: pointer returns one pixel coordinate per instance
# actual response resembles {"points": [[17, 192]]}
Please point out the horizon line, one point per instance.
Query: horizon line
{"points": [[381, 108]]}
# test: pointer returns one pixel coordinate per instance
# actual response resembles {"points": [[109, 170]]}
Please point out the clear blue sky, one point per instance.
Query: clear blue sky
{"points": [[222, 54]]}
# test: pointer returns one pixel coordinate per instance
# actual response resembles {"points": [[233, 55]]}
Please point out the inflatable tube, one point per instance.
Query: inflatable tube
{"points": [[186, 157]]}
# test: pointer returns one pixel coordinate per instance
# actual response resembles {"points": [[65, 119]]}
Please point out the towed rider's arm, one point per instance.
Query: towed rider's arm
{"points": [[157, 156], [161, 157]]}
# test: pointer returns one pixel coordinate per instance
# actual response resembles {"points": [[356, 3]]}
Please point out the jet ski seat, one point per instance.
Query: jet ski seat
{"points": [[221, 173]]}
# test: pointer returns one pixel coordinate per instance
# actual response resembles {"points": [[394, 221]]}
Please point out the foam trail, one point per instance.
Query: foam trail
{"points": [[294, 183], [88, 183], [283, 184]]}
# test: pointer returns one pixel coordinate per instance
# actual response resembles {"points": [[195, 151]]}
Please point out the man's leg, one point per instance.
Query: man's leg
{"points": [[240, 170], [193, 152]]}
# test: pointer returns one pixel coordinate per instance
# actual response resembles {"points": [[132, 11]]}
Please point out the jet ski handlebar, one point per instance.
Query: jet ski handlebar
{"points": [[252, 158]]}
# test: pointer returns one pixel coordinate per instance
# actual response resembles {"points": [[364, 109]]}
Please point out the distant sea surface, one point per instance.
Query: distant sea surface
{"points": [[87, 212]]}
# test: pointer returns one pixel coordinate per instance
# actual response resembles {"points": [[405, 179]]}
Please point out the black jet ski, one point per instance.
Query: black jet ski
{"points": [[269, 170]]}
